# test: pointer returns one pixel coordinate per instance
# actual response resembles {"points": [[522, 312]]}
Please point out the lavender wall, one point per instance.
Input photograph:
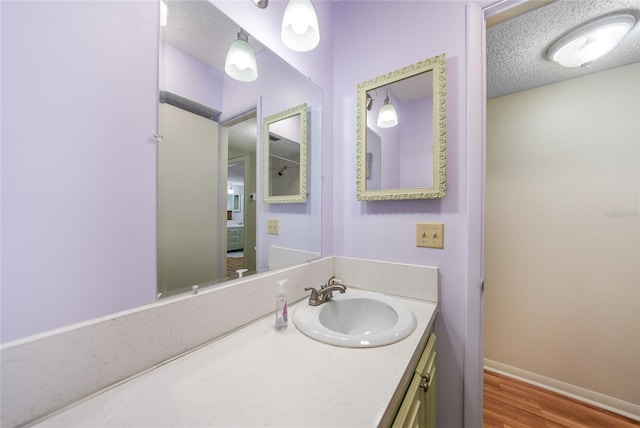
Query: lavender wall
{"points": [[78, 166], [386, 230], [204, 84]]}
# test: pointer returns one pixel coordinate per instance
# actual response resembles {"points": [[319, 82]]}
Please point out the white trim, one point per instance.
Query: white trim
{"points": [[597, 399], [474, 226]]}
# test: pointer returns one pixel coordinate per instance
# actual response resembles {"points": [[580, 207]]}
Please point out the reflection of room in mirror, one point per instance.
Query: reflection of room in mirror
{"points": [[285, 147], [374, 155], [284, 156], [402, 155]]}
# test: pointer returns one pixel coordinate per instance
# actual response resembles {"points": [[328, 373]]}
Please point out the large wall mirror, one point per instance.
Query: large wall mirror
{"points": [[401, 133], [212, 223], [284, 156]]}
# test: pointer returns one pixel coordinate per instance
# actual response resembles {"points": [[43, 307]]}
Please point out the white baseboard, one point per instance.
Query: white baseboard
{"points": [[597, 399]]}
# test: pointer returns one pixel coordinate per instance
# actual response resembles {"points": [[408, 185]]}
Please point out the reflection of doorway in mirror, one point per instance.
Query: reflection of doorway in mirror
{"points": [[241, 140]]}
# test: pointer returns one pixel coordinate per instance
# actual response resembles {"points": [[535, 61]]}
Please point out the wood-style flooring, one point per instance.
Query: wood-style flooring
{"points": [[233, 264], [514, 404]]}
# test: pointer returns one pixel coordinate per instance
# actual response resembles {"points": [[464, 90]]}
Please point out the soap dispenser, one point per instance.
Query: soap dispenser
{"points": [[281, 306]]}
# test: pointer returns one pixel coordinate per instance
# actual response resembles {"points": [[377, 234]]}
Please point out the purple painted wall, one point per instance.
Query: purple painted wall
{"points": [[386, 230], [78, 216], [204, 84]]}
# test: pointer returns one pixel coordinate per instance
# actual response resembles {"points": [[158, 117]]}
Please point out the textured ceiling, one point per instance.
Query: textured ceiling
{"points": [[516, 49], [202, 30]]}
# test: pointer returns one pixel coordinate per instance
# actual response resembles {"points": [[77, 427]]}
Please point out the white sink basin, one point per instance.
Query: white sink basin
{"points": [[356, 319]]}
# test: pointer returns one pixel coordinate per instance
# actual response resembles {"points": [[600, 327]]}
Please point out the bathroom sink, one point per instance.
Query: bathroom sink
{"points": [[356, 319]]}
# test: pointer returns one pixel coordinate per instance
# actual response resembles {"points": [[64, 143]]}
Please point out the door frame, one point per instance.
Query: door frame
{"points": [[477, 14], [224, 160]]}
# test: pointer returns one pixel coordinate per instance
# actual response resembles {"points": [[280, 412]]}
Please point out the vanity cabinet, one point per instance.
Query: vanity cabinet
{"points": [[235, 238], [418, 409]]}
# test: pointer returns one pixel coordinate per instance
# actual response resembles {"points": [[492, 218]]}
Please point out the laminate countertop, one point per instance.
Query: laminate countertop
{"points": [[259, 376]]}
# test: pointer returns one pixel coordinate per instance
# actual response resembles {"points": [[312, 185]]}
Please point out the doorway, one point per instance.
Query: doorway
{"points": [[561, 229], [240, 135]]}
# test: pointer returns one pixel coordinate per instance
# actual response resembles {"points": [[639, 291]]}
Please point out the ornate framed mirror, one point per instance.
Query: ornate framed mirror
{"points": [[284, 156], [401, 133]]}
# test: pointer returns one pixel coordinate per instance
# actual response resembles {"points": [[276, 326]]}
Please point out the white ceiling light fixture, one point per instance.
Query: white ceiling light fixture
{"points": [[300, 29], [241, 60], [584, 45], [387, 117]]}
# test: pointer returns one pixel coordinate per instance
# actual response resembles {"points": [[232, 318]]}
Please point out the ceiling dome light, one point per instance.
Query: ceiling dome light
{"points": [[387, 117], [582, 46], [241, 60], [300, 29]]}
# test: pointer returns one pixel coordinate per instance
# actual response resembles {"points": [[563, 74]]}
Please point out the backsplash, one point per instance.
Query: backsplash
{"points": [[405, 280], [47, 372]]}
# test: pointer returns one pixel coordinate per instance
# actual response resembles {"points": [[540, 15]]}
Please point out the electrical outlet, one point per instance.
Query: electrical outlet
{"points": [[430, 235], [273, 226]]}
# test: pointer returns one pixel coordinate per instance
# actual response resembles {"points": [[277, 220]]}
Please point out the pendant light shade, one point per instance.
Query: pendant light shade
{"points": [[241, 60], [300, 29], [387, 117], [584, 45]]}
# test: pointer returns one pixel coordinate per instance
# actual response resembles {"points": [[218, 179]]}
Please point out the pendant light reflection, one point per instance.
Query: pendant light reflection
{"points": [[241, 60], [300, 29], [584, 45], [230, 190], [387, 117]]}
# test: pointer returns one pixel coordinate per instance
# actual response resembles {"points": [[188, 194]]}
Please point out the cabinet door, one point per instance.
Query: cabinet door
{"points": [[412, 408], [428, 377], [418, 408], [430, 403]]}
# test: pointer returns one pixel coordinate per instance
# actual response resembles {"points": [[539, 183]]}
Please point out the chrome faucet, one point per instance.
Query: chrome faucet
{"points": [[325, 293]]}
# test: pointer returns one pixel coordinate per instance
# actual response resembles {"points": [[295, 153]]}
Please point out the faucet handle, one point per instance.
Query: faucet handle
{"points": [[329, 282], [314, 299]]}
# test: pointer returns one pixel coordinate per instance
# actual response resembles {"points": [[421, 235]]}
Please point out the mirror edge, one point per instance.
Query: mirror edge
{"points": [[438, 65], [304, 135]]}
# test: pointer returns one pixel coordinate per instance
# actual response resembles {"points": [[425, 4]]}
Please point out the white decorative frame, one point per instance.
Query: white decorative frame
{"points": [[301, 197], [436, 64]]}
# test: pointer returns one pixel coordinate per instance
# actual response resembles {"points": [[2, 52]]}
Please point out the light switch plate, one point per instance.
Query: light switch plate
{"points": [[430, 235], [273, 226]]}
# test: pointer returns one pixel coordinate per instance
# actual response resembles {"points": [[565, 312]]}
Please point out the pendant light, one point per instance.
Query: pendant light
{"points": [[300, 29], [387, 117], [582, 46], [241, 60], [262, 4]]}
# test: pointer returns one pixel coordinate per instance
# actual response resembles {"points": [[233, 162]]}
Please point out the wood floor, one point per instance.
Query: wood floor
{"points": [[514, 404], [233, 264]]}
